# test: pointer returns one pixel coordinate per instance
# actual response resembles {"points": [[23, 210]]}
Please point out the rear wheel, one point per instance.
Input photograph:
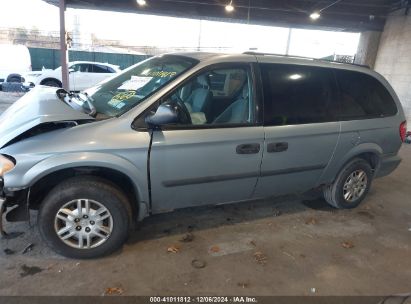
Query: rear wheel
{"points": [[85, 217], [351, 185]]}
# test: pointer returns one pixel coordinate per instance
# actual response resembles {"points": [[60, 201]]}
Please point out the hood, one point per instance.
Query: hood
{"points": [[41, 105]]}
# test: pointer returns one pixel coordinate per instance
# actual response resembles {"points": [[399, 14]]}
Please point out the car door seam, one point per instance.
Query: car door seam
{"points": [[261, 164], [333, 154], [148, 171]]}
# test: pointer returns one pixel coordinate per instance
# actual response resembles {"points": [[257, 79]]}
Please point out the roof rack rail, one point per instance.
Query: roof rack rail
{"points": [[350, 63], [303, 57], [274, 54]]}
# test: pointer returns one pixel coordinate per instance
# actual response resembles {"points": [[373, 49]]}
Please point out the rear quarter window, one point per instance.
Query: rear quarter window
{"points": [[362, 96]]}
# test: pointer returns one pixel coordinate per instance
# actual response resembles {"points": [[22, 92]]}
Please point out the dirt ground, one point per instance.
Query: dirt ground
{"points": [[272, 247]]}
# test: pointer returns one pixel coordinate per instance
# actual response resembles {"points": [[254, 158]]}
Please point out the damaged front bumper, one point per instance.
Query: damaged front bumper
{"points": [[17, 204]]}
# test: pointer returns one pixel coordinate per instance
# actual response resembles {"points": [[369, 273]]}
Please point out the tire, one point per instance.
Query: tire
{"points": [[98, 194], [339, 198], [52, 83], [15, 79]]}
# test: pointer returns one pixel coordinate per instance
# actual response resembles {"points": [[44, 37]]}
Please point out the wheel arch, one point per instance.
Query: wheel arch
{"points": [[43, 185], [51, 79], [119, 171], [369, 152], [372, 158]]}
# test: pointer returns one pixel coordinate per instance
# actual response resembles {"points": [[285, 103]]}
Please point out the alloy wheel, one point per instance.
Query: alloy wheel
{"points": [[355, 185], [83, 224]]}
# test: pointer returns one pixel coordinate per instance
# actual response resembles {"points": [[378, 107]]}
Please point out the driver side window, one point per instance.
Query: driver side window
{"points": [[221, 96]]}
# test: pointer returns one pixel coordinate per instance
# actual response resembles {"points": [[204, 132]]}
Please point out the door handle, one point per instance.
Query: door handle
{"points": [[277, 147], [248, 149]]}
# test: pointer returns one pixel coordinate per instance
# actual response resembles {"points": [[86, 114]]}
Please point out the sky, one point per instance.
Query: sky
{"points": [[146, 30]]}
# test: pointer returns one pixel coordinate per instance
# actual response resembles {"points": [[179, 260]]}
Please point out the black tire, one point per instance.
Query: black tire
{"points": [[92, 188], [52, 83], [15, 79], [334, 193]]}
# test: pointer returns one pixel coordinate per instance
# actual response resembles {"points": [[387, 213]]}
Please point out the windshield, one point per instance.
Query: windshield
{"points": [[123, 92]]}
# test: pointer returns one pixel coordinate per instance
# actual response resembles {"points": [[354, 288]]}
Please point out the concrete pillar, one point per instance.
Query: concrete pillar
{"points": [[368, 48], [63, 46], [394, 57]]}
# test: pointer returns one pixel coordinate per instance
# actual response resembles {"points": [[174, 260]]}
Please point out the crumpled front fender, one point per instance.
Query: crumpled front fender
{"points": [[81, 159]]}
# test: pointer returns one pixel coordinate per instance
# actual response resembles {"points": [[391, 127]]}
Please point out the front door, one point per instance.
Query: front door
{"points": [[216, 157], [79, 76], [300, 125]]}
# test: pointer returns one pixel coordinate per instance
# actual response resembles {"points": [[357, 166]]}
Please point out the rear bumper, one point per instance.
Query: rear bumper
{"points": [[387, 165]]}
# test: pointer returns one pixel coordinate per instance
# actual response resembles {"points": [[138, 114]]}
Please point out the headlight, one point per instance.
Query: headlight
{"points": [[5, 165]]}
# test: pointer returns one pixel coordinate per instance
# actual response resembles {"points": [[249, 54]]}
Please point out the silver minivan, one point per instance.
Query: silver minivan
{"points": [[193, 129]]}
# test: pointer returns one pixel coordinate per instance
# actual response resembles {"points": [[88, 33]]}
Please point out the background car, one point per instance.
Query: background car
{"points": [[14, 61], [82, 75]]}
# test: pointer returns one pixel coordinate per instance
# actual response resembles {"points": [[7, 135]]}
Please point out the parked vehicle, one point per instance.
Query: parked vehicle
{"points": [[193, 129], [82, 75], [14, 61]]}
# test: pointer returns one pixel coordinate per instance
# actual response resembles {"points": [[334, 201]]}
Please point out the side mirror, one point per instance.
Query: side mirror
{"points": [[70, 70], [166, 114]]}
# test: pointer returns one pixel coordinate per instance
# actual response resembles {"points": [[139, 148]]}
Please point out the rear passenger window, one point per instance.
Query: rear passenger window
{"points": [[296, 94], [96, 68], [363, 96]]}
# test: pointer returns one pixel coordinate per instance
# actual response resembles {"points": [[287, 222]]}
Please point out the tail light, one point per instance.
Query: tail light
{"points": [[403, 130]]}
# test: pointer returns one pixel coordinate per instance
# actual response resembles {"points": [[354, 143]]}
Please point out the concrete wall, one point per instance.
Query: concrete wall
{"points": [[368, 48], [394, 57]]}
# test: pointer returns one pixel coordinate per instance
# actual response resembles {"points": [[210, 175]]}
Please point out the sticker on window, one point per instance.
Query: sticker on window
{"points": [[135, 83], [118, 100], [161, 74], [120, 105], [114, 102]]}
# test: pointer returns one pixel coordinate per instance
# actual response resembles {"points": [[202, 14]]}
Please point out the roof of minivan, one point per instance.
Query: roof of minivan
{"points": [[205, 56]]}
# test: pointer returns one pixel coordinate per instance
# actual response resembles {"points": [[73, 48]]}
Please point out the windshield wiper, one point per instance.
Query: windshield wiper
{"points": [[86, 98]]}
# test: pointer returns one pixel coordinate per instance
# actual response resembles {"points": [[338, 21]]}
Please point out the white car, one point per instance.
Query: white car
{"points": [[82, 75]]}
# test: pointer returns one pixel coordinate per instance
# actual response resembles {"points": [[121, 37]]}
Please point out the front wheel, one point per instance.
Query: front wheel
{"points": [[351, 185], [85, 217]]}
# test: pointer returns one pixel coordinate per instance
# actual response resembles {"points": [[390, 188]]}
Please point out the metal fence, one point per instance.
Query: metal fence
{"points": [[50, 58]]}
